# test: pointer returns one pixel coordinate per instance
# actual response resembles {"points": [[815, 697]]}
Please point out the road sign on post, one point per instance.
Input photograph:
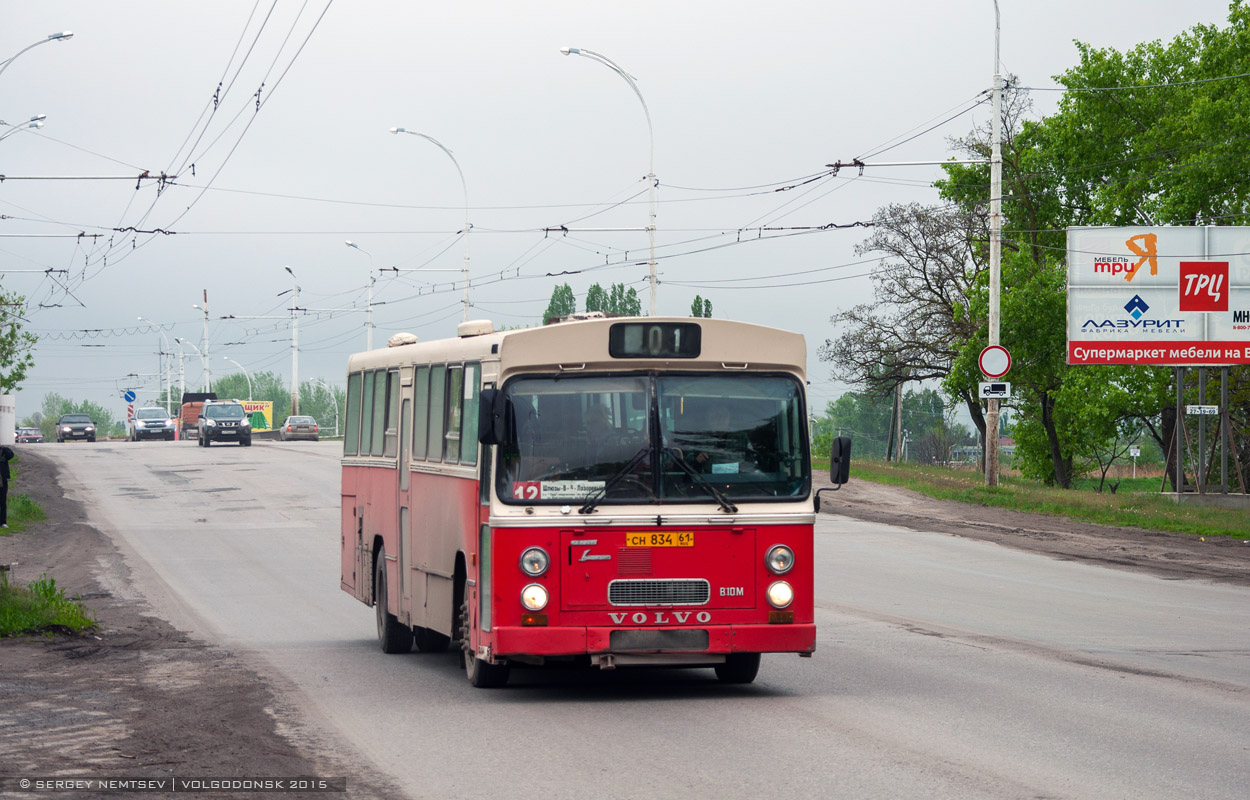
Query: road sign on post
{"points": [[129, 396], [994, 361], [995, 391]]}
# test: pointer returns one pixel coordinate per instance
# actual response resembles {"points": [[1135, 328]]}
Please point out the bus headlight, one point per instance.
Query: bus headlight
{"points": [[779, 559], [534, 561], [780, 594], [534, 597]]}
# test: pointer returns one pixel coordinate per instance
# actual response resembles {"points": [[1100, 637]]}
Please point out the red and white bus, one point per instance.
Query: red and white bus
{"points": [[610, 491]]}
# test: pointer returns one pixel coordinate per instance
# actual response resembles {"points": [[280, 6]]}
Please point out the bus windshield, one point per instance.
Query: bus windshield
{"points": [[653, 439]]}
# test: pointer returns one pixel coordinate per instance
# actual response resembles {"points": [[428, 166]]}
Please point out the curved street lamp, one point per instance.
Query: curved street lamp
{"points": [[63, 36], [35, 122], [467, 226], [166, 353], [612, 65], [369, 301], [245, 375]]}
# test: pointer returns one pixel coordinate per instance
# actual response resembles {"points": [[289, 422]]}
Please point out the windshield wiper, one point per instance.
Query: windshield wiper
{"points": [[598, 495], [700, 481]]}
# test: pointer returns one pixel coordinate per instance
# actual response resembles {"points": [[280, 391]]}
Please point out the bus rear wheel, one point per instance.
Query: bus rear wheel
{"points": [[738, 668], [394, 636], [481, 674]]}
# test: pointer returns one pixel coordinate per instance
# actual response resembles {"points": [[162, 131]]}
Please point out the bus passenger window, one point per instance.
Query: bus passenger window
{"points": [[451, 437], [392, 414], [379, 412], [468, 426], [366, 414], [351, 430], [421, 417], [437, 388]]}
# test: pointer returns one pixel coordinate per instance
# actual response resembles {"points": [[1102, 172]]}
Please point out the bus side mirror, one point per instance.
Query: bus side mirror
{"points": [[840, 460], [490, 417], [839, 467]]}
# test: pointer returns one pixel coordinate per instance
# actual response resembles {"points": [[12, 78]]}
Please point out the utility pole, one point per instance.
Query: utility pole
{"points": [[294, 347], [996, 230]]}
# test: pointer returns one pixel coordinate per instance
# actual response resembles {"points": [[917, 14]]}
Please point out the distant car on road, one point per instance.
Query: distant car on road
{"points": [[299, 428], [75, 426], [29, 436], [224, 421], [152, 423]]}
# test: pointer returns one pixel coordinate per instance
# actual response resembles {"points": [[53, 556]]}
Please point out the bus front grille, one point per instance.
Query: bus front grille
{"points": [[680, 592]]}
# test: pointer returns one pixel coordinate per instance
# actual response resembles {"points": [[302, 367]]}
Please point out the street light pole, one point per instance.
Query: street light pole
{"points": [[208, 370], [467, 226], [63, 36], [369, 300], [612, 65], [166, 354], [182, 380], [294, 347], [245, 375], [996, 228]]}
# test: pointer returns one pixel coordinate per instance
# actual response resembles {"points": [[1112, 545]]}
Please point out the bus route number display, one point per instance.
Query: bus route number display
{"points": [[660, 539]]}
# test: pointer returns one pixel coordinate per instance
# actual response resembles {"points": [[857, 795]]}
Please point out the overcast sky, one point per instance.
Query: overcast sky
{"points": [[745, 99]]}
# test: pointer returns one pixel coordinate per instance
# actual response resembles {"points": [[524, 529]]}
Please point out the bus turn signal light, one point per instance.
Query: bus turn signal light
{"points": [[535, 620]]}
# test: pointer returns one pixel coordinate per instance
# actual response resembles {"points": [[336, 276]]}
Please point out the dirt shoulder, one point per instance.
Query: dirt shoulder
{"points": [[1169, 555], [136, 698]]}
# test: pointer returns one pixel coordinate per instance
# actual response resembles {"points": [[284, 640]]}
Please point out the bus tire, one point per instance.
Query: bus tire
{"points": [[429, 641], [481, 674], [393, 636], [738, 668]]}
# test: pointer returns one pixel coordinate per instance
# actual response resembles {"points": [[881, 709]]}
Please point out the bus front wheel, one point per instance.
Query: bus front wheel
{"points": [[394, 636], [738, 668], [481, 674]]}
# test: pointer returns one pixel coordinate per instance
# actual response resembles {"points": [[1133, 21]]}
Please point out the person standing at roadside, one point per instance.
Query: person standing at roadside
{"points": [[6, 455]]}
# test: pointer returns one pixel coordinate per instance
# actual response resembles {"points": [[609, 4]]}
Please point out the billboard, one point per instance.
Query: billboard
{"points": [[1167, 296], [260, 413]]}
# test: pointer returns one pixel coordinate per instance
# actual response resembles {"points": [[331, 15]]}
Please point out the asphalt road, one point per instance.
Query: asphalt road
{"points": [[945, 667]]}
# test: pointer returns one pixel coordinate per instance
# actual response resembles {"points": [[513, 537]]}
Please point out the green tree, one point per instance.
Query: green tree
{"points": [[323, 403], [596, 299], [701, 307], [55, 405], [624, 301], [16, 344], [562, 304]]}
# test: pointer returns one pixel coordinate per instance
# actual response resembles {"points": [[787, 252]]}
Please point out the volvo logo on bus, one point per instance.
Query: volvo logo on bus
{"points": [[659, 617]]}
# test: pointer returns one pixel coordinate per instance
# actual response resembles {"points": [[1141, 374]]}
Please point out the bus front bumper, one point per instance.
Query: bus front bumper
{"points": [[562, 641]]}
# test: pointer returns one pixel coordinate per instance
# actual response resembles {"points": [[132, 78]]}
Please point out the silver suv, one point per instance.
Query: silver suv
{"points": [[224, 421], [151, 422]]}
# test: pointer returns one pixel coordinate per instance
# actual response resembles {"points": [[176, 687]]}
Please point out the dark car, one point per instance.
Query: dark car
{"points": [[75, 426], [29, 436], [224, 421], [152, 422], [299, 428]]}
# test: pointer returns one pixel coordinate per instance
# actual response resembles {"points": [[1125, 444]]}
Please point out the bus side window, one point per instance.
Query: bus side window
{"points": [[366, 414], [468, 417], [421, 417], [391, 442], [379, 412], [451, 435], [438, 386], [351, 430]]}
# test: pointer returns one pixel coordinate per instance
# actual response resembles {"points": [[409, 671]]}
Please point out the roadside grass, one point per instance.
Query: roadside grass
{"points": [[22, 510], [39, 608], [1136, 504]]}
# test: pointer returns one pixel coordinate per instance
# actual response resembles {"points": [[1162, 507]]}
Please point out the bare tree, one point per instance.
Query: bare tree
{"points": [[919, 319]]}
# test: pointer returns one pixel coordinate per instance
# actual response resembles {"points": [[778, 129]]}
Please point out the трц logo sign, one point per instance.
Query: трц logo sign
{"points": [[1204, 286]]}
